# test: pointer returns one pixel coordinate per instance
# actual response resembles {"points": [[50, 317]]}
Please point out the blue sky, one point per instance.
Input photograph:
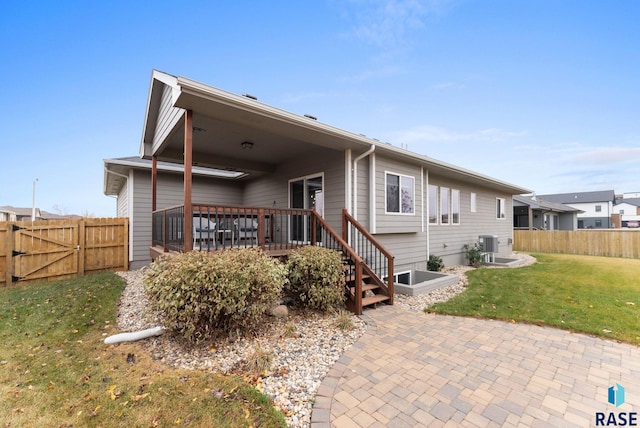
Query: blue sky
{"points": [[544, 94]]}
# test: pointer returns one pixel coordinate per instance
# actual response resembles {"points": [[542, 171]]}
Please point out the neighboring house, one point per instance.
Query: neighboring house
{"points": [[596, 207], [626, 212], [22, 214], [129, 179], [7, 214], [532, 212], [412, 204]]}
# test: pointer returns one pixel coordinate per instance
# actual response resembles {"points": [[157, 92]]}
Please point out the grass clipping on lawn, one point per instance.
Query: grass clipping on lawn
{"points": [[55, 369], [593, 295]]}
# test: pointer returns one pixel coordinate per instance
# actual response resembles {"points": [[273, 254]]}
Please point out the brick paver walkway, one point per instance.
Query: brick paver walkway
{"points": [[410, 369]]}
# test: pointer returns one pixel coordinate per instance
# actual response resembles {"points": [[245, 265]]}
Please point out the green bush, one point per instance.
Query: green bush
{"points": [[199, 293], [316, 278], [474, 254], [435, 263]]}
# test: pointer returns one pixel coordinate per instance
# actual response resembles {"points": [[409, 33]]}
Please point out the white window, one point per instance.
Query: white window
{"points": [[400, 278], [598, 208], [433, 204], [472, 203], [444, 205], [621, 212], [500, 208], [455, 206], [400, 193]]}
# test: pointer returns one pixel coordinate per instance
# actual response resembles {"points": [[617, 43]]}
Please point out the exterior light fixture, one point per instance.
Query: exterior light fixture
{"points": [[247, 145]]}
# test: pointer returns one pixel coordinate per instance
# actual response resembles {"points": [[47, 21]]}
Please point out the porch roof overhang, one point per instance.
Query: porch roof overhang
{"points": [[222, 121], [116, 172]]}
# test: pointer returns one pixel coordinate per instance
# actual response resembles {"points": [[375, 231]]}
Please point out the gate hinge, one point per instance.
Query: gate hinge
{"points": [[15, 278], [17, 253], [15, 228]]}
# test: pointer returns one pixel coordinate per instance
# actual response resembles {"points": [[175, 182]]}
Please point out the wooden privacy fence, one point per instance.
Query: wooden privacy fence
{"points": [[590, 242], [54, 249]]}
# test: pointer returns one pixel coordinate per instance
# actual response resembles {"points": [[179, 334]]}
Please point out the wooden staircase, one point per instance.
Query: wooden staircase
{"points": [[370, 291]]}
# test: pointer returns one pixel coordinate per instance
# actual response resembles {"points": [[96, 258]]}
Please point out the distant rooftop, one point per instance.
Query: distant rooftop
{"points": [[580, 197]]}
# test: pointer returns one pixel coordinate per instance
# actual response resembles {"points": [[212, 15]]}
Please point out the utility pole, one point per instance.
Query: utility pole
{"points": [[33, 210]]}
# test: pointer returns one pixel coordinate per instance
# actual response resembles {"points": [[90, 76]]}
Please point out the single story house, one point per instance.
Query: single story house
{"points": [[596, 207], [294, 180], [532, 212]]}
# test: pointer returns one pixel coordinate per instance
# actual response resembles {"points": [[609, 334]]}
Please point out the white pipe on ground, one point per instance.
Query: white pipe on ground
{"points": [[134, 335]]}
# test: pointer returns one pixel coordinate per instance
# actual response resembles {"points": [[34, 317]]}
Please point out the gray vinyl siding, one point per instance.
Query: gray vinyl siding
{"points": [[168, 118], [363, 192], [273, 190], [170, 192], [447, 240], [122, 203], [395, 222]]}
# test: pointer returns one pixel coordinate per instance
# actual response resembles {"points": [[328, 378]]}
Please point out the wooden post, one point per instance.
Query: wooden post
{"points": [[188, 180], [8, 251], [154, 182], [82, 233]]}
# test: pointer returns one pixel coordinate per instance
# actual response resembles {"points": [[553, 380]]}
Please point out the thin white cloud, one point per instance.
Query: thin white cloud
{"points": [[607, 155], [430, 133], [386, 23]]}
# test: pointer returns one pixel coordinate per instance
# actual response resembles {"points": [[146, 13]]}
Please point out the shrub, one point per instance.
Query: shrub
{"points": [[474, 254], [316, 278], [198, 292], [435, 263]]}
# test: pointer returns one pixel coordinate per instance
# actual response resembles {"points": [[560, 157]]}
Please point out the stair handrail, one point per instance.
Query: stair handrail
{"points": [[348, 219], [359, 264]]}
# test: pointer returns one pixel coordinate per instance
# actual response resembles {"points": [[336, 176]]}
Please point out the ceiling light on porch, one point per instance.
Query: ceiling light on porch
{"points": [[247, 145]]}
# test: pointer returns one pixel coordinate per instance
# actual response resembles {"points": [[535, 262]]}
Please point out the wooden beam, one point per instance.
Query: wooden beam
{"points": [[154, 182], [188, 180]]}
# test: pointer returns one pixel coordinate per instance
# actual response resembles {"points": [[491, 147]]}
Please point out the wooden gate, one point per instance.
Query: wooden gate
{"points": [[42, 251], [56, 249]]}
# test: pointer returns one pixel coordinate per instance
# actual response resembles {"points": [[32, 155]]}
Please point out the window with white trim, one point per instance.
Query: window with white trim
{"points": [[455, 206], [500, 208], [473, 202], [444, 205], [399, 193], [433, 204], [400, 278], [598, 208]]}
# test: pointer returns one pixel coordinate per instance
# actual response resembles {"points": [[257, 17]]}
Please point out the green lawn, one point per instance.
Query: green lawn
{"points": [[55, 370], [594, 295]]}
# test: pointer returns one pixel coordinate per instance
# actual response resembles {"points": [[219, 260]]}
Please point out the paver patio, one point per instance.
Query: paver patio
{"points": [[413, 369]]}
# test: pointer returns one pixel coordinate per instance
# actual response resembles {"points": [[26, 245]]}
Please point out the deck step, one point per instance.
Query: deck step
{"points": [[352, 277], [365, 287], [366, 301]]}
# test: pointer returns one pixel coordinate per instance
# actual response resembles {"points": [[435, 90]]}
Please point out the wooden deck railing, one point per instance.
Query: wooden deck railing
{"points": [[277, 231], [378, 261]]}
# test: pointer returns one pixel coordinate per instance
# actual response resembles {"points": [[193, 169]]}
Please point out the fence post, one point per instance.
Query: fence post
{"points": [[81, 246], [8, 252]]}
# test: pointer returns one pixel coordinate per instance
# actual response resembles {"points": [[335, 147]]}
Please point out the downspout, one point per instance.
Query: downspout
{"points": [[355, 179], [428, 228]]}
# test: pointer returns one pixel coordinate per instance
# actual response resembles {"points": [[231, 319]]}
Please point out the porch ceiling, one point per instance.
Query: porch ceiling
{"points": [[219, 129]]}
